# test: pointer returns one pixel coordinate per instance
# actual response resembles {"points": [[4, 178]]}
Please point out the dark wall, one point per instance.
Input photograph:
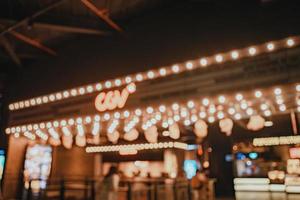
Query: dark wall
{"points": [[73, 163], [178, 32]]}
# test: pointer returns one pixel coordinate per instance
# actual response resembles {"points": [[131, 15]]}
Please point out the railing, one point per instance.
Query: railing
{"points": [[129, 189], [89, 189]]}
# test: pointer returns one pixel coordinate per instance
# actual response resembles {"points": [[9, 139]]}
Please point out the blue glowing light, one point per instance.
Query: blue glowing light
{"points": [[253, 155], [240, 156], [190, 168]]}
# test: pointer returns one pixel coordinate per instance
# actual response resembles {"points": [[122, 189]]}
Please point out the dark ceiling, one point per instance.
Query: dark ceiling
{"points": [[73, 45]]}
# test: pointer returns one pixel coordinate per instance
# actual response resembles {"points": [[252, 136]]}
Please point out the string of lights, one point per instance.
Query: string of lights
{"points": [[137, 147], [202, 62], [241, 105]]}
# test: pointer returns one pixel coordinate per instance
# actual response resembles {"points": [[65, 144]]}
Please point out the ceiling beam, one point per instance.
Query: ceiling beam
{"points": [[61, 28], [69, 29], [28, 19], [101, 14], [10, 51], [31, 41]]}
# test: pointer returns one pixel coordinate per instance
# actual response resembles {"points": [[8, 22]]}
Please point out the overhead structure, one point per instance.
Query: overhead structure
{"points": [[126, 109]]}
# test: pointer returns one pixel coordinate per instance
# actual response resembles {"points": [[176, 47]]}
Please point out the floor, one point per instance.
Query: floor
{"points": [[263, 196]]}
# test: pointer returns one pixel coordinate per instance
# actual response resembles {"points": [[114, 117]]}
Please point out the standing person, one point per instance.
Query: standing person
{"points": [[109, 190]]}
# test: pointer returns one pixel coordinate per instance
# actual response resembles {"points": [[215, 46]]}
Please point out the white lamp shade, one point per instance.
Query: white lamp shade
{"points": [[113, 137], [256, 123], [131, 135], [201, 128], [226, 126], [80, 140], [67, 141], [174, 131], [151, 134]]}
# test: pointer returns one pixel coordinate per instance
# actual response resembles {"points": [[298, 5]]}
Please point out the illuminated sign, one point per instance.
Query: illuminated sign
{"points": [[113, 99], [273, 141], [294, 152]]}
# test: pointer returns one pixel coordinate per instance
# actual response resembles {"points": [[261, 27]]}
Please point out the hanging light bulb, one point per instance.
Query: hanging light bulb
{"points": [[174, 131], [256, 123], [226, 126], [132, 135], [201, 128], [80, 140], [113, 137], [151, 134], [67, 138]]}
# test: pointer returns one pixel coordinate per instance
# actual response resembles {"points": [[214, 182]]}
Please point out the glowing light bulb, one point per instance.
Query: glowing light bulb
{"points": [[290, 42], [162, 108], [282, 108], [239, 97], [219, 58], [150, 74], [175, 106], [267, 113], [270, 46], [162, 71], [237, 116], [107, 84], [258, 94], [252, 51], [98, 86], [118, 82], [263, 106], [128, 79], [89, 89], [221, 99], [175, 68], [189, 65], [149, 110], [298, 88], [211, 119], [249, 111], [190, 104], [203, 62], [139, 77], [234, 55], [277, 91], [205, 101]]}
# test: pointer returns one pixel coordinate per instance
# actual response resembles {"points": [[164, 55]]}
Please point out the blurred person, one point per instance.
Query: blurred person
{"points": [[109, 190]]}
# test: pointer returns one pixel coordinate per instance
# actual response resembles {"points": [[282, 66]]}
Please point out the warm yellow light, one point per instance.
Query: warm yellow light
{"points": [[189, 65], [190, 104], [205, 101], [107, 84], [98, 86], [237, 116], [270, 46], [128, 79], [89, 89], [118, 82], [211, 119], [298, 88], [221, 99], [163, 72], [267, 113], [263, 106], [282, 108], [139, 77], [73, 92], [290, 42], [203, 62], [239, 97], [219, 58], [162, 108], [249, 111], [258, 94], [252, 51], [234, 55], [150, 74], [175, 68], [175, 106], [277, 91]]}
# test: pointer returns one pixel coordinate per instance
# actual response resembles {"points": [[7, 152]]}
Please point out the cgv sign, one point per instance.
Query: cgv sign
{"points": [[114, 99]]}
